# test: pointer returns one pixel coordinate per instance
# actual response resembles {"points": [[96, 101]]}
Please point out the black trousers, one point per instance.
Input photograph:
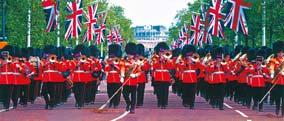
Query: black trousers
{"points": [[231, 88], [1, 93], [79, 93], [217, 95], [162, 93], [48, 92], [91, 90], [279, 98], [7, 91], [257, 94], [140, 94], [130, 91], [16, 94], [188, 94], [24, 94], [34, 91], [66, 92], [111, 89]]}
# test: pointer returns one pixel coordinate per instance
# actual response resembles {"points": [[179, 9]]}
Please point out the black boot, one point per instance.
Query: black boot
{"points": [[127, 107]]}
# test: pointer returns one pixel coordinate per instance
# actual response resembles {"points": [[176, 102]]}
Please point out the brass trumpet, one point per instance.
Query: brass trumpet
{"points": [[141, 60], [52, 58], [195, 57], [83, 59], [237, 56], [9, 59], [223, 62], [168, 54], [207, 58]]}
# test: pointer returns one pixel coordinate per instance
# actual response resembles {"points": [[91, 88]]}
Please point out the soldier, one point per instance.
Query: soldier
{"points": [[24, 79], [113, 74], [276, 66], [92, 87], [52, 73], [6, 76], [189, 67], [81, 74], [35, 86], [259, 74], [162, 73], [217, 79], [69, 64], [177, 85], [131, 72], [142, 78]]}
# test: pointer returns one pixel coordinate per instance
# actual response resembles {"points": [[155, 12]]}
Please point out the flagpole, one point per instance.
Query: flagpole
{"points": [[58, 31], [29, 25], [237, 42], [263, 23]]}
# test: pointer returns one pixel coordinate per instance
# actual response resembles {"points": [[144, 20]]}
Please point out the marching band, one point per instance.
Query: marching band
{"points": [[245, 75]]}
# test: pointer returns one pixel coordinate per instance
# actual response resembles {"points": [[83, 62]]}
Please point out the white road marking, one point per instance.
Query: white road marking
{"points": [[4, 110], [121, 116], [249, 120], [244, 115], [228, 106]]}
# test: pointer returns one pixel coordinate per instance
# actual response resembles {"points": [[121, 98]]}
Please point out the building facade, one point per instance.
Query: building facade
{"points": [[150, 35]]}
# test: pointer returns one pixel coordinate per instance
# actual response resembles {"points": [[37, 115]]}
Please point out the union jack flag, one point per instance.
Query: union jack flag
{"points": [[100, 33], [205, 37], [117, 36], [195, 27], [215, 24], [110, 36], [176, 44], [183, 34], [91, 22], [73, 23], [236, 19], [51, 10]]}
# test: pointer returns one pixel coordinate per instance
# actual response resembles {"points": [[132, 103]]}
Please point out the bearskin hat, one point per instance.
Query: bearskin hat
{"points": [[130, 48], [251, 54], [161, 46], [50, 49], [82, 50], [201, 52], [278, 46], [176, 52], [218, 52], [94, 51], [188, 49], [114, 50], [140, 49]]}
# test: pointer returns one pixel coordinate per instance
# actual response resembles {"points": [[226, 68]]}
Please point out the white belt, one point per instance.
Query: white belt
{"points": [[256, 76], [51, 71], [17, 73], [218, 72], [5, 73], [80, 71], [189, 71], [162, 70], [113, 72]]}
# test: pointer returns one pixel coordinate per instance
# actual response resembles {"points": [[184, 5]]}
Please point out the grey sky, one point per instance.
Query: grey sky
{"points": [[151, 12]]}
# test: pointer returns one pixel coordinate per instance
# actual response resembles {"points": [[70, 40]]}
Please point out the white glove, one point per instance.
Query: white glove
{"points": [[133, 75], [121, 79]]}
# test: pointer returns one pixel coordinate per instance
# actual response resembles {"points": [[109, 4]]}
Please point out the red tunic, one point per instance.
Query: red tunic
{"points": [[81, 72], [161, 71]]}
